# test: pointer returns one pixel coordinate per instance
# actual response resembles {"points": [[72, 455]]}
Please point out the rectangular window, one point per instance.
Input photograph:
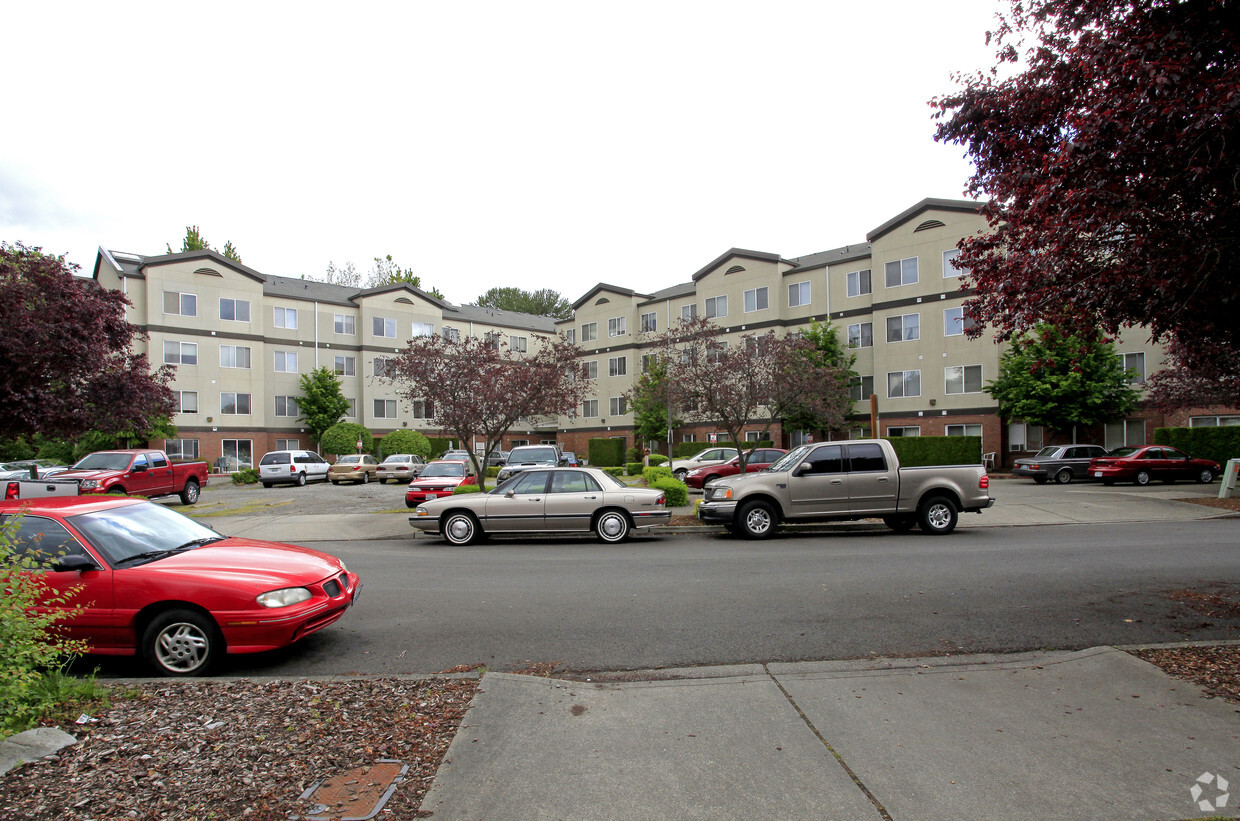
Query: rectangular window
{"points": [[235, 310], [650, 323], [618, 406], [288, 444], [234, 403], [382, 326], [589, 408], [950, 270], [491, 339], [385, 408], [963, 379], [351, 413], [518, 344], [753, 436], [903, 384], [1213, 421], [187, 402], [234, 356], [955, 322], [180, 353], [286, 318], [964, 430], [423, 409], [1029, 437], [755, 300], [860, 388], [861, 335], [648, 361], [589, 332], [904, 430], [422, 329], [716, 306], [689, 437], [858, 282], [902, 272], [346, 366], [343, 324], [591, 369], [239, 452], [688, 312], [382, 366], [452, 334], [617, 366], [1134, 364], [798, 294], [904, 328], [571, 336], [287, 406], [182, 450], [180, 304], [616, 326], [286, 362], [1126, 433]]}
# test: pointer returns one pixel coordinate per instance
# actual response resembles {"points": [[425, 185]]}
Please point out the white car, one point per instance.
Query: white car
{"points": [[291, 467], [706, 458]]}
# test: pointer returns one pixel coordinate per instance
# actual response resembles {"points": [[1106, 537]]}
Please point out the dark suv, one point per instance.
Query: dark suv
{"points": [[531, 456]]}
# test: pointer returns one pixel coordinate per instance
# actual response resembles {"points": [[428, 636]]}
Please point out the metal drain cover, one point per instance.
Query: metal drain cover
{"points": [[357, 795]]}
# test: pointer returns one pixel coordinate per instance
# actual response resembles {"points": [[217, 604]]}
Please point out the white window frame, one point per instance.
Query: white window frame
{"points": [[650, 322], [716, 306], [856, 333], [422, 329], [380, 325], [617, 326], [284, 318], [964, 371], [283, 359], [518, 344], [1223, 421], [571, 336], [591, 368], [237, 403], [955, 322], [183, 405], [451, 334], [950, 271], [617, 406], [423, 409], [905, 328], [760, 299], [589, 332], [860, 394], [379, 366], [618, 366], [904, 430], [344, 365], [905, 378], [859, 283], [182, 450], [688, 312], [180, 357], [381, 408], [1124, 433], [589, 409], [1025, 437], [285, 404], [233, 354], [187, 303], [233, 448], [963, 429], [799, 294], [236, 309], [905, 270], [344, 324], [1138, 360]]}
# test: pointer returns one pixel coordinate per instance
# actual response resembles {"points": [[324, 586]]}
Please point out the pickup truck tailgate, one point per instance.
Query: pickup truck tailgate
{"points": [[38, 488]]}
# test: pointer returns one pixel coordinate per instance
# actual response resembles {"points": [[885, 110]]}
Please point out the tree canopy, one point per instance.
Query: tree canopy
{"points": [[67, 348], [322, 403], [543, 302], [1060, 380], [195, 241], [649, 401], [1110, 167]]}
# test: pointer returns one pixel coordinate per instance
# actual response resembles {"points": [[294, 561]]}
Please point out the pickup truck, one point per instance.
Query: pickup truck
{"points": [[842, 481], [140, 472], [11, 489]]}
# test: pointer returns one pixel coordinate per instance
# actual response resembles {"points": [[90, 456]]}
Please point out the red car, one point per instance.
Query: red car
{"points": [[758, 459], [1140, 465], [439, 478], [156, 583]]}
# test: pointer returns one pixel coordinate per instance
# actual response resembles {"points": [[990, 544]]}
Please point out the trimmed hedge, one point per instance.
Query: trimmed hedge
{"points": [[654, 473], [439, 445], [677, 493], [613, 471], [920, 451], [1218, 444], [633, 468], [657, 459], [462, 489], [245, 476], [606, 452]]}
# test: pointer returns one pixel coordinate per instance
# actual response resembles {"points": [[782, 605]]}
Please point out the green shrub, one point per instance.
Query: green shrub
{"points": [[341, 439], [656, 472], [617, 472], [656, 459], [1217, 443], [634, 454], [404, 441], [677, 493], [920, 451], [633, 468], [245, 476], [493, 471], [606, 452], [462, 489], [32, 685], [439, 445]]}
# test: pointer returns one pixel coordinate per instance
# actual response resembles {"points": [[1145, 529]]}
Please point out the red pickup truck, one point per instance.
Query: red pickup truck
{"points": [[139, 473]]}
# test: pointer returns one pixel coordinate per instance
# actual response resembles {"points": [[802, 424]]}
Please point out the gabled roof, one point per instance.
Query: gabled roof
{"points": [[928, 204], [835, 256], [737, 253], [405, 286], [628, 293], [133, 265], [497, 316]]}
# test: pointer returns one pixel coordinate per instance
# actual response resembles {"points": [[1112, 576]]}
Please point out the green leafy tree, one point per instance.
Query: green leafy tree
{"points": [[543, 302], [322, 403], [195, 241], [824, 350], [387, 272], [342, 438], [1059, 380], [404, 441], [649, 402]]}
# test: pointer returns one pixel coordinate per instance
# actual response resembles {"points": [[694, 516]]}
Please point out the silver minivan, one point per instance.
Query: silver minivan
{"points": [[295, 467]]}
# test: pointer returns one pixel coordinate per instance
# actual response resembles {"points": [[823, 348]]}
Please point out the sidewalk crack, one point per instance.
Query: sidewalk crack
{"points": [[839, 759]]}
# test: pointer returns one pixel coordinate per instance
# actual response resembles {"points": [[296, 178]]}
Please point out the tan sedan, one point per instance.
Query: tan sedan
{"points": [[359, 468], [546, 500]]}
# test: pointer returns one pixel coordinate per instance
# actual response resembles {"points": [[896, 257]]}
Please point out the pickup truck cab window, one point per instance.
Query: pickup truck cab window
{"points": [[866, 458], [826, 459]]}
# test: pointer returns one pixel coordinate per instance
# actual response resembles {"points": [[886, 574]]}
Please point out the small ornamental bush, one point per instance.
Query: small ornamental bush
{"points": [[656, 459], [617, 472], [245, 476], [677, 493], [633, 468], [404, 441], [342, 438], [461, 489], [654, 473]]}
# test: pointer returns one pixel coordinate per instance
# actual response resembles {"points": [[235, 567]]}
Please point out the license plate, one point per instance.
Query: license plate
{"points": [[1097, 474]]}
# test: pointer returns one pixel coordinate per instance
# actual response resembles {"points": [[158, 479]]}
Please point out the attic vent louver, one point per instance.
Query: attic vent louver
{"points": [[211, 272], [928, 224], [602, 301], [406, 300], [735, 269]]}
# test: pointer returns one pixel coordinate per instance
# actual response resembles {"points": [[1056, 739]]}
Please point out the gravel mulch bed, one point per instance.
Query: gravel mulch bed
{"points": [[239, 749]]}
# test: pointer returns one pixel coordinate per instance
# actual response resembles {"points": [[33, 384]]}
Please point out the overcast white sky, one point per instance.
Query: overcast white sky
{"points": [[532, 144]]}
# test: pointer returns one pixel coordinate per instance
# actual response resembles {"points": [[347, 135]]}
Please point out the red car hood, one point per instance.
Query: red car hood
{"points": [[437, 481], [266, 565], [89, 474]]}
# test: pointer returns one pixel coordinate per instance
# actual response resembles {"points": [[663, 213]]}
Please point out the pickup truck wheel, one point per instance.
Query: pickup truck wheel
{"points": [[190, 494], [1142, 477], [937, 516], [612, 527], [756, 520], [181, 643], [900, 523]]}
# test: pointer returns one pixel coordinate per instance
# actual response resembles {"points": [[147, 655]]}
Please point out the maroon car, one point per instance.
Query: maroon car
{"points": [[758, 459], [1140, 465]]}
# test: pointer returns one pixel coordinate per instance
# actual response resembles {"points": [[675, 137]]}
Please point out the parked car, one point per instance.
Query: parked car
{"points": [[156, 583], [842, 481], [400, 467], [355, 467], [524, 457], [546, 500], [497, 459], [705, 458], [1142, 464], [291, 467], [139, 472], [439, 478], [21, 469], [455, 454], [758, 459], [571, 460], [1063, 463]]}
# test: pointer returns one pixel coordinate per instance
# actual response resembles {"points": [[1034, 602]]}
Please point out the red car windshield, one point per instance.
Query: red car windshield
{"points": [[453, 469]]}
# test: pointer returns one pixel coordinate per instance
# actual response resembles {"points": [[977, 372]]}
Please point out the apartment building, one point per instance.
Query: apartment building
{"points": [[240, 340]]}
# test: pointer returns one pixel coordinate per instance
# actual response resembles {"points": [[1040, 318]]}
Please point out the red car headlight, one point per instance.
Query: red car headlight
{"points": [[285, 597]]}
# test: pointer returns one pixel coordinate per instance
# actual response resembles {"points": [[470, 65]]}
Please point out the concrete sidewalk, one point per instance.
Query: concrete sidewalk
{"points": [[1094, 734]]}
